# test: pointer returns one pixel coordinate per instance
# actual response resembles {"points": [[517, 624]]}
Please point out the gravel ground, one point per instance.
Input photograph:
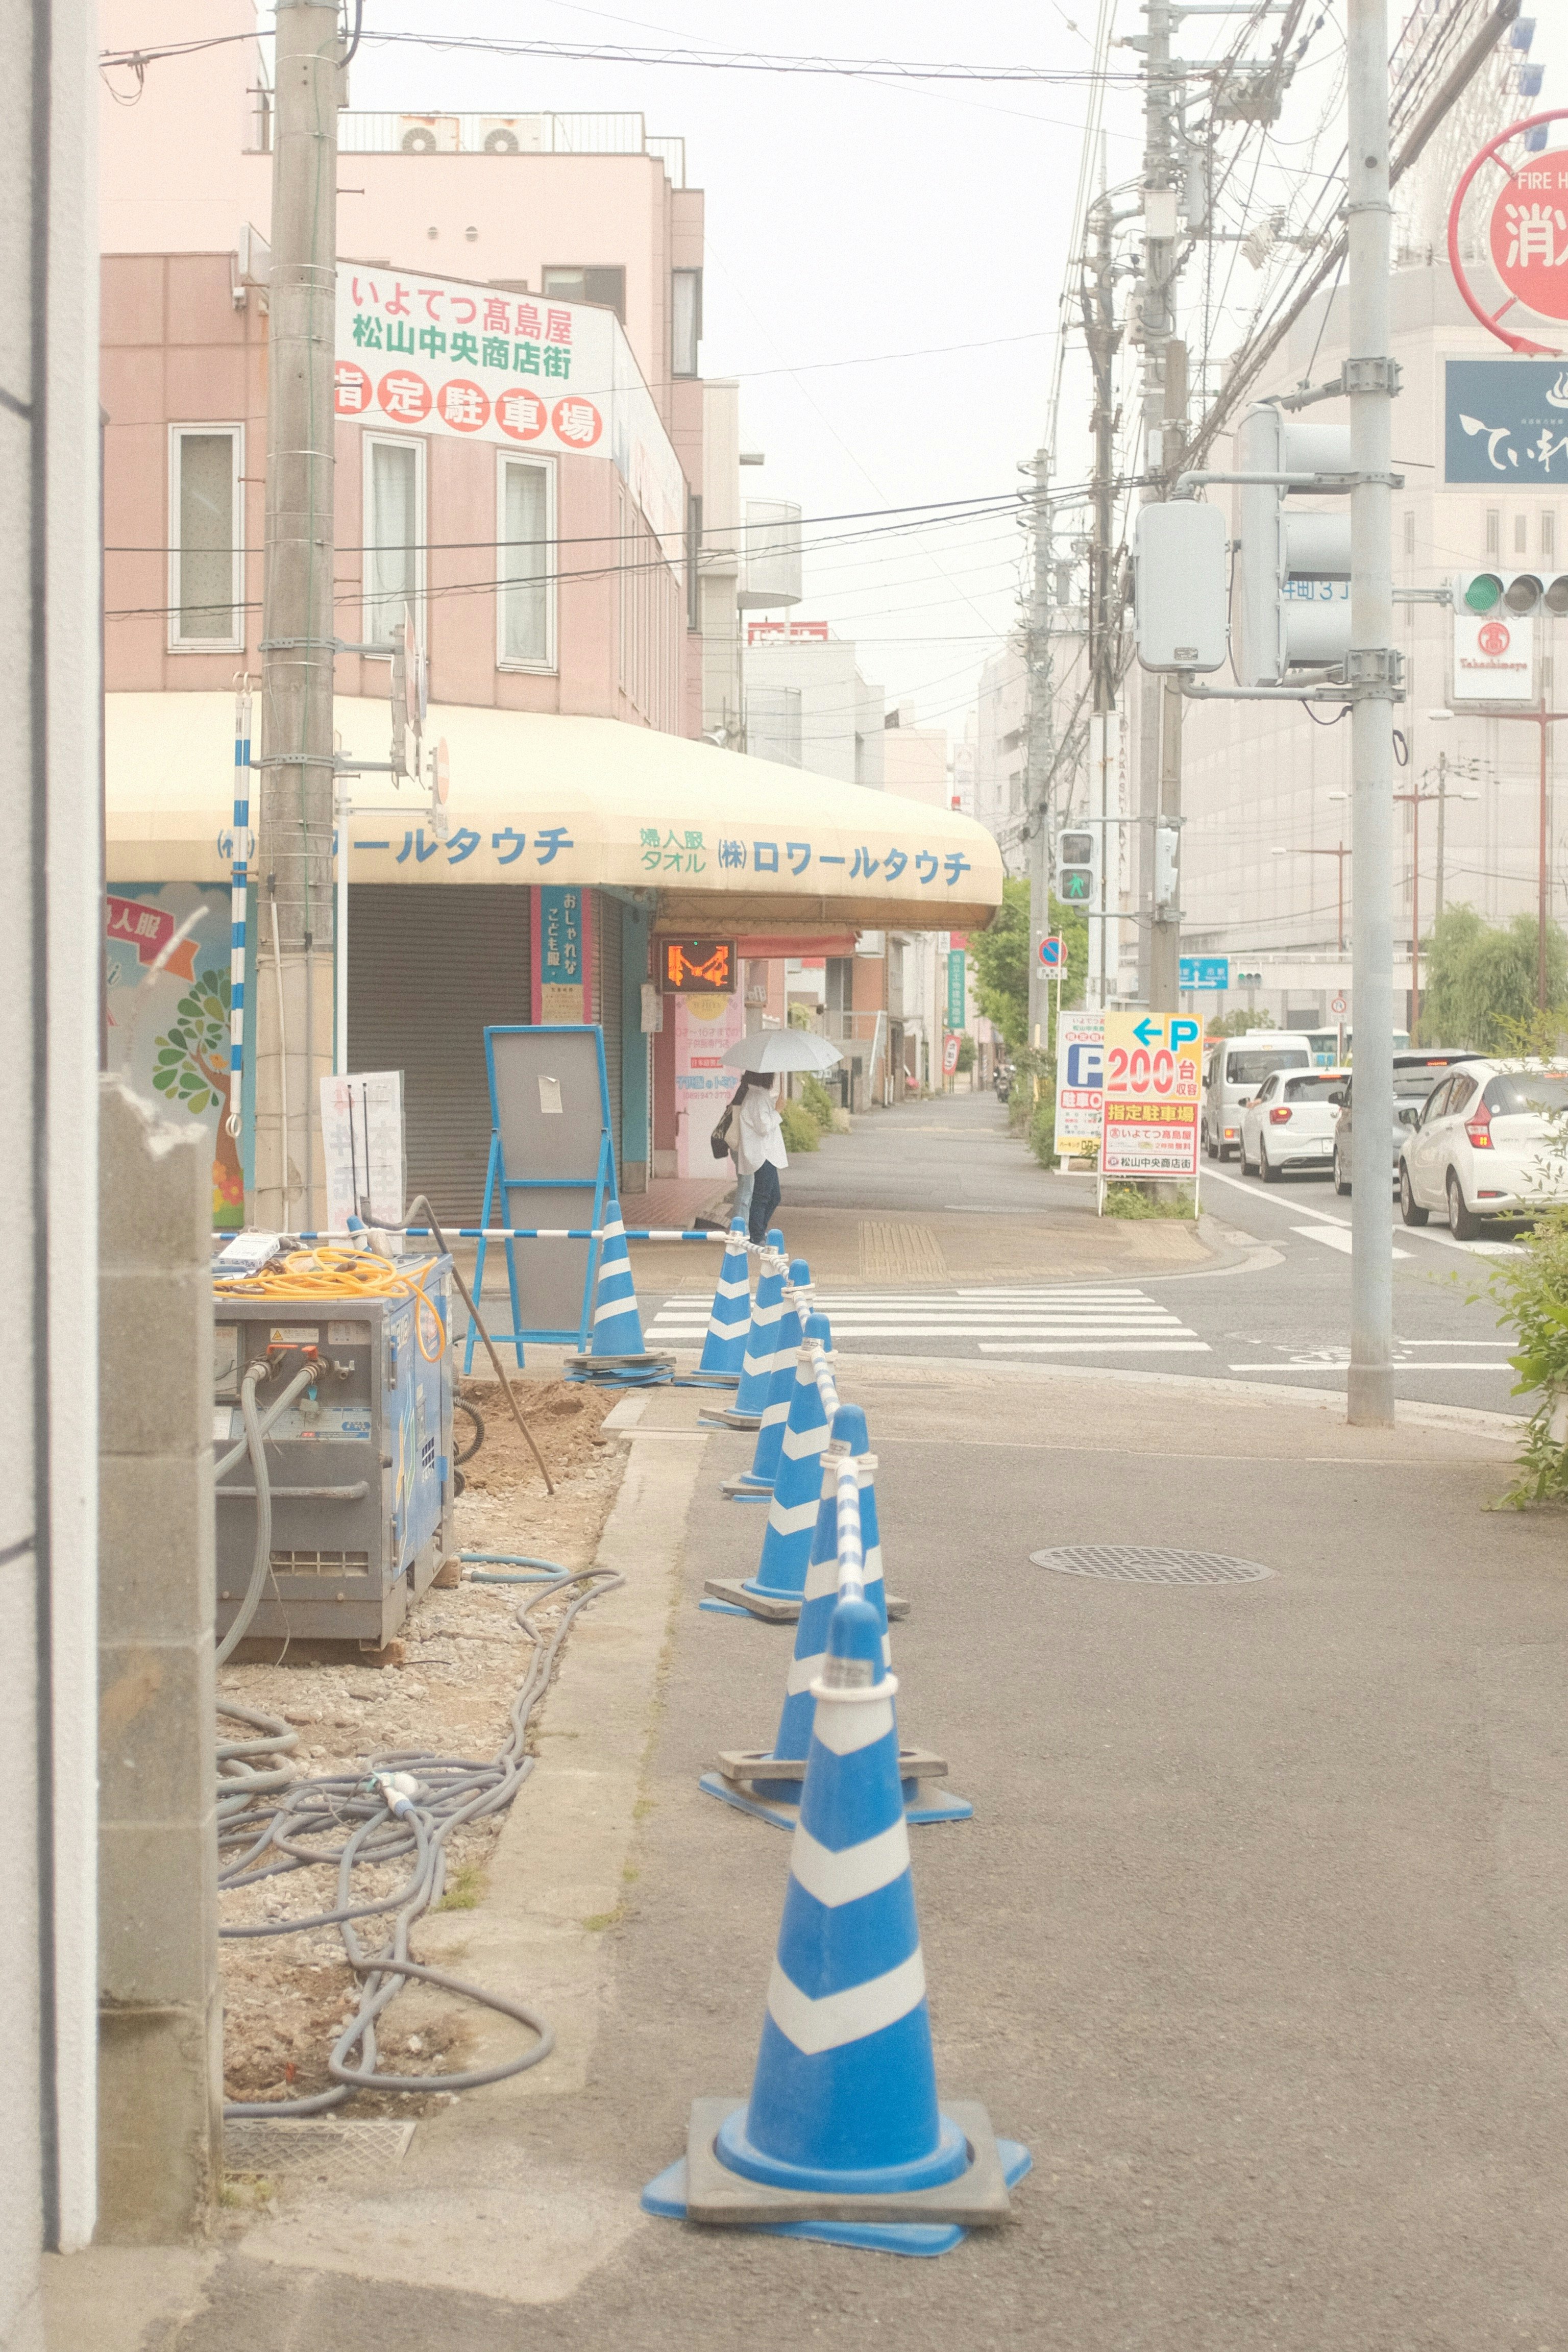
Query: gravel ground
{"points": [[286, 1997]]}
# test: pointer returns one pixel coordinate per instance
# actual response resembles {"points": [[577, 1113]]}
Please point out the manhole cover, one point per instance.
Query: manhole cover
{"points": [[1148, 1564]]}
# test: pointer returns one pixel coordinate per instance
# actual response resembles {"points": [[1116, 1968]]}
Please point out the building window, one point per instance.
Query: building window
{"points": [[1521, 534], [1410, 531], [1494, 531], [1548, 535], [685, 319], [205, 539], [606, 286], [526, 528], [394, 534]]}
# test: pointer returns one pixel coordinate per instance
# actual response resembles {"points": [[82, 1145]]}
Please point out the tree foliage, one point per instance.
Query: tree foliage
{"points": [[1002, 961], [1239, 1023], [1482, 980]]}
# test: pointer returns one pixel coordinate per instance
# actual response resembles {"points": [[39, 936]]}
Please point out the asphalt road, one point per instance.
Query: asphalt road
{"points": [[1272, 1304]]}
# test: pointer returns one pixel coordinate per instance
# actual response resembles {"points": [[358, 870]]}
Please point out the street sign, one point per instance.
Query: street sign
{"points": [[1154, 1069], [1206, 971], [1053, 954], [955, 987], [1079, 1080], [1525, 234], [1339, 1006], [949, 1054]]}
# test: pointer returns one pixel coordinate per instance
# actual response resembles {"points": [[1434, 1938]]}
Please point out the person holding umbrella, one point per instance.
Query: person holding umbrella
{"points": [[754, 1129]]}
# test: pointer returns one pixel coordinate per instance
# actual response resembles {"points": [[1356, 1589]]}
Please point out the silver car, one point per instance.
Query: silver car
{"points": [[1416, 1073]]}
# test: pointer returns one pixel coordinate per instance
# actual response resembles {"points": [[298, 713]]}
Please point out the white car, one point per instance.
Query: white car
{"points": [[1289, 1122], [1492, 1142]]}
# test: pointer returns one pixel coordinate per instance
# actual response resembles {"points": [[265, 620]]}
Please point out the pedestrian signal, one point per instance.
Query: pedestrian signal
{"points": [[1076, 868]]}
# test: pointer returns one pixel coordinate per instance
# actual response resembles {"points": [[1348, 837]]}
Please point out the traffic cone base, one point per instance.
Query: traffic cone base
{"points": [[778, 1609], [768, 1786], [701, 2187]]}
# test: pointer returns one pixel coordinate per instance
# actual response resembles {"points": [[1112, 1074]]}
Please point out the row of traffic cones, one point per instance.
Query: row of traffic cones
{"points": [[843, 2137]]}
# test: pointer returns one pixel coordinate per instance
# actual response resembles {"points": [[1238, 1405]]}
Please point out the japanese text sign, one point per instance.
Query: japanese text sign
{"points": [[435, 355], [1081, 1053], [1506, 421], [1153, 1070], [559, 953], [1529, 234], [955, 987]]}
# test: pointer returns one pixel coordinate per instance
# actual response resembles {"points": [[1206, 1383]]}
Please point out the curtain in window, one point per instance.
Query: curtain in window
{"points": [[524, 564], [206, 536], [391, 562]]}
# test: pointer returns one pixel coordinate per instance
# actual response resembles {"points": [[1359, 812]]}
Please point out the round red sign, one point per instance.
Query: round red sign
{"points": [[1492, 639], [1530, 234]]}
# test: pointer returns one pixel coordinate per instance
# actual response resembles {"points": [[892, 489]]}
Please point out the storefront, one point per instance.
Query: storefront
{"points": [[572, 847]]}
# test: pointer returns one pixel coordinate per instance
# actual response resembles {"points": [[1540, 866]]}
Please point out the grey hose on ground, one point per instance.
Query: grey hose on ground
{"points": [[260, 1843], [261, 1563]]}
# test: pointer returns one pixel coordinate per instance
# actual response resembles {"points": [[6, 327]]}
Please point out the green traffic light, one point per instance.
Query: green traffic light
{"points": [[1484, 592], [1076, 886]]}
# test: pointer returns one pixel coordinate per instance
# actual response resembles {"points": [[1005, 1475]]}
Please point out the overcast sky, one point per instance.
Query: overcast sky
{"points": [[851, 219]]}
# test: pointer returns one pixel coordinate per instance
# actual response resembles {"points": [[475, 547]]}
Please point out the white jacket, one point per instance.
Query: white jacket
{"points": [[760, 1133]]}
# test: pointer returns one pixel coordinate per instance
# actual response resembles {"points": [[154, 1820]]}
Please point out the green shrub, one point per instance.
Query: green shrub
{"points": [[801, 1131], [815, 1098], [1043, 1130], [1532, 1293], [1131, 1201], [966, 1051]]}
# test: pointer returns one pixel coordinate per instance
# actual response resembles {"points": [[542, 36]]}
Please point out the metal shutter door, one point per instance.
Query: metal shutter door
{"points": [[429, 971], [607, 988]]}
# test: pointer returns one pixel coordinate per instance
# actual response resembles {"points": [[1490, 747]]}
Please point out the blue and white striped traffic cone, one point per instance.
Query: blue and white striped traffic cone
{"points": [[743, 1778], [756, 1484], [724, 1347], [619, 1353], [843, 2121], [762, 1339], [774, 1591]]}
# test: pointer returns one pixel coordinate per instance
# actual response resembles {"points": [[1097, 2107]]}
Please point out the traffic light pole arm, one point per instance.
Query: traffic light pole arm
{"points": [[1325, 483]]}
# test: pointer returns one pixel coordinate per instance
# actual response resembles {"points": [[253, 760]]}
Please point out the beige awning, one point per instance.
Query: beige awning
{"points": [[724, 839]]}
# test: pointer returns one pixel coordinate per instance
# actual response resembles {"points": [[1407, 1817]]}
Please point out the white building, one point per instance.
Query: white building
{"points": [[807, 703]]}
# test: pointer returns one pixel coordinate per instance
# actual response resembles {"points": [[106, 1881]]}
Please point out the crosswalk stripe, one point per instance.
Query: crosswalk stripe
{"points": [[1055, 1318]]}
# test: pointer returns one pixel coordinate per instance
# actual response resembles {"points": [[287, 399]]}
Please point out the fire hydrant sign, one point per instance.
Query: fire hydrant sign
{"points": [[1154, 1069]]}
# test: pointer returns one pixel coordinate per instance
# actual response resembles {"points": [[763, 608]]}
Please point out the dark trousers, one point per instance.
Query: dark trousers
{"points": [[764, 1200]]}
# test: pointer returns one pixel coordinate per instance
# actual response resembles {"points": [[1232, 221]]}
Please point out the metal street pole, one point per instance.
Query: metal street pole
{"points": [[1372, 668], [1442, 828], [294, 1017], [1103, 336]]}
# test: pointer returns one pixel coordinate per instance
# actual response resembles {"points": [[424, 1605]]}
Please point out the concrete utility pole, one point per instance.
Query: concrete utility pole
{"points": [[294, 996], [1102, 335], [1165, 903], [1372, 670], [1041, 750]]}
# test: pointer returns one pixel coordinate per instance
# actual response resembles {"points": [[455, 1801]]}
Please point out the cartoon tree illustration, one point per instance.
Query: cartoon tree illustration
{"points": [[191, 1066]]}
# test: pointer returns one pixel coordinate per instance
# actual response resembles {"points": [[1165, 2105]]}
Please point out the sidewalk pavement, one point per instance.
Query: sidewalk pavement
{"points": [[1258, 1937]]}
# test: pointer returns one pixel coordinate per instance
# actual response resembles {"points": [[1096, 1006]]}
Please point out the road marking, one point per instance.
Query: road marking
{"points": [[1335, 1237], [1401, 1364], [1325, 1217], [1061, 1319]]}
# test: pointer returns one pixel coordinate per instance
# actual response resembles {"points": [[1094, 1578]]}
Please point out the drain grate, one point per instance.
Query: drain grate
{"points": [[334, 2152], [1148, 1564]]}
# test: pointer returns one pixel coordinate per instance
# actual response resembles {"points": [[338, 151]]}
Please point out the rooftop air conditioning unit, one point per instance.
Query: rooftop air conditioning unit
{"points": [[429, 134], [513, 134]]}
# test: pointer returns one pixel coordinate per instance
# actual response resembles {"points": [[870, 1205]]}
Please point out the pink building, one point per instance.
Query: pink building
{"points": [[520, 464]]}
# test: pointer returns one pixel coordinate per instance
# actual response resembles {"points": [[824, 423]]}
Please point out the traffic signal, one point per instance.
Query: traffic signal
{"points": [[1077, 872], [1510, 594], [1180, 590], [1292, 583]]}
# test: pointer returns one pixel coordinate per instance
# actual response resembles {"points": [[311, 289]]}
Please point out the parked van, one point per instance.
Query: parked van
{"points": [[1237, 1070]]}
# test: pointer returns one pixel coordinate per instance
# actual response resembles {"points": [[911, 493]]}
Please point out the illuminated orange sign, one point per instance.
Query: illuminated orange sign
{"points": [[698, 967]]}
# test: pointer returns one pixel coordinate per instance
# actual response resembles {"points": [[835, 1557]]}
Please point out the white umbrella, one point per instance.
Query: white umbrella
{"points": [[782, 1049]]}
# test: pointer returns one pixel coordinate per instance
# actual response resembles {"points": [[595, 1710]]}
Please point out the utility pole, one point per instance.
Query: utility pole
{"points": [[1102, 335], [1165, 893], [294, 998], [1040, 751], [1372, 670]]}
